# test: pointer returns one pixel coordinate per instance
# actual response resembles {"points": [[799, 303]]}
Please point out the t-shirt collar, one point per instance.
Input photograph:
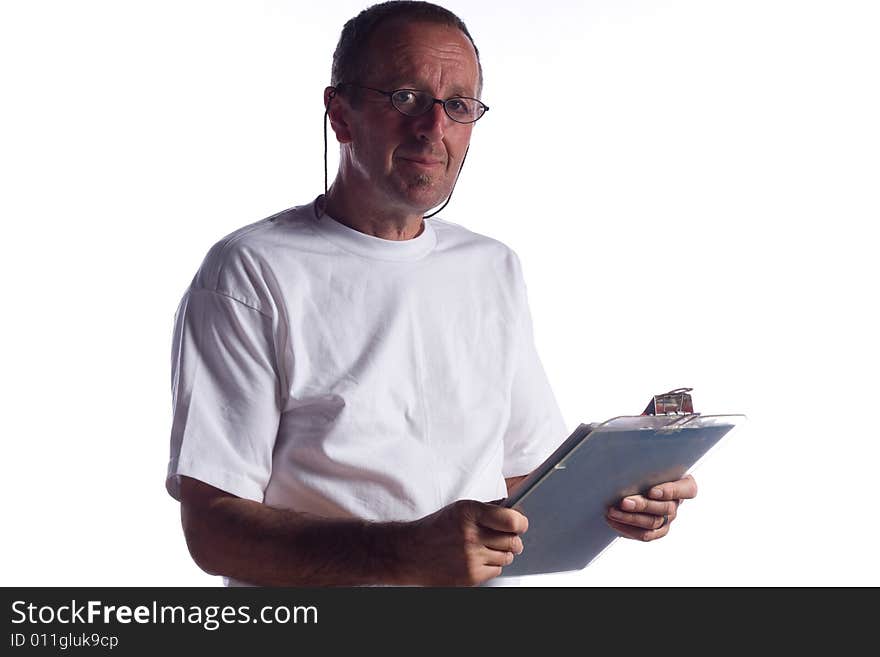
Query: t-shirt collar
{"points": [[370, 246]]}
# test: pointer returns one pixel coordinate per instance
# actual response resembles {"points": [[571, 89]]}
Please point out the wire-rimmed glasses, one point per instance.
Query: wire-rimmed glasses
{"points": [[413, 102]]}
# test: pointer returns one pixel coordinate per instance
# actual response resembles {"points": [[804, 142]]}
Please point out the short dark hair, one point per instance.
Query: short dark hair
{"points": [[351, 55]]}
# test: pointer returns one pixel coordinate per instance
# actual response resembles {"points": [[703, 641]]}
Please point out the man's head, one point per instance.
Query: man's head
{"points": [[351, 59], [393, 162]]}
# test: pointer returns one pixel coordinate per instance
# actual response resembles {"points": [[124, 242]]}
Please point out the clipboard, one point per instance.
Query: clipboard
{"points": [[566, 497]]}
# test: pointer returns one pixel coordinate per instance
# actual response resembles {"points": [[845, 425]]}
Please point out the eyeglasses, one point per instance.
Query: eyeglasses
{"points": [[412, 102]]}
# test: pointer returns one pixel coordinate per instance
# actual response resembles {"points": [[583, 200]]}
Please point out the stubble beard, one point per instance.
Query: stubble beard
{"points": [[427, 186], [422, 181]]}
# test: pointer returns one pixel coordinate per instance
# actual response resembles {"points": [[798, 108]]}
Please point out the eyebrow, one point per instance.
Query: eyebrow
{"points": [[456, 91]]}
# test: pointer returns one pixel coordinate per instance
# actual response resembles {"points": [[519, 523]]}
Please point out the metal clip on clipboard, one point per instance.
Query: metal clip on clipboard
{"points": [[674, 402]]}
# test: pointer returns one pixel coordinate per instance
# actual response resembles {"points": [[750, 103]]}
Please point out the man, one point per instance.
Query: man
{"points": [[353, 385]]}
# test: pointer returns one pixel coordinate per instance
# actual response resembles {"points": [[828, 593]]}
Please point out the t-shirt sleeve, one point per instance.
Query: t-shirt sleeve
{"points": [[536, 427], [225, 395]]}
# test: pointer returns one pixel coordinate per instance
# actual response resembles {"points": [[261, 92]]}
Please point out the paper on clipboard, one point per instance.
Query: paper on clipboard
{"points": [[566, 498]]}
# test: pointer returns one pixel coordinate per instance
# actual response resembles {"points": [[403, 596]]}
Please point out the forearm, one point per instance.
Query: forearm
{"points": [[513, 483], [261, 545]]}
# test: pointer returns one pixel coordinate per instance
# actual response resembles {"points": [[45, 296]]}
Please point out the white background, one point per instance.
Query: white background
{"points": [[692, 187]]}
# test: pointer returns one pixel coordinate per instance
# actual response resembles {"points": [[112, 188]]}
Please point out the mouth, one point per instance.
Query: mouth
{"points": [[422, 161]]}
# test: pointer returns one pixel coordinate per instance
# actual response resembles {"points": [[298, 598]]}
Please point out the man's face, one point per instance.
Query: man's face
{"points": [[410, 163]]}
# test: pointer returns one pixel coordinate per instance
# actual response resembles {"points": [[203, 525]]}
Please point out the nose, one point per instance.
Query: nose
{"points": [[431, 126]]}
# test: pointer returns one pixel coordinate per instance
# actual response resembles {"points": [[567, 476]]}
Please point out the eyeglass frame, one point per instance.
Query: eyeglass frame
{"points": [[434, 101]]}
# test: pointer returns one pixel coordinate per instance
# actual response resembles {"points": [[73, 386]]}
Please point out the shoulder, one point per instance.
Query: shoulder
{"points": [[243, 264], [455, 237]]}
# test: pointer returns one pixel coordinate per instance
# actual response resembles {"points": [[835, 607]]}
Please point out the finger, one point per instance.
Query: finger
{"points": [[498, 558], [504, 541], [683, 489], [502, 519], [641, 504], [642, 520], [628, 531]]}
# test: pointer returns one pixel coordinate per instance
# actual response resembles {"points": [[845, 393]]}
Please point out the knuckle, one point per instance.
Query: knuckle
{"points": [[692, 486], [513, 520], [468, 507], [472, 574]]}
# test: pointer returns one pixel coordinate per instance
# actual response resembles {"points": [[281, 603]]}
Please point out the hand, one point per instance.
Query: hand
{"points": [[465, 543], [642, 518]]}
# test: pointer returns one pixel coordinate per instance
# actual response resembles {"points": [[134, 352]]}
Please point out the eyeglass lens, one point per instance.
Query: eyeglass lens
{"points": [[458, 108]]}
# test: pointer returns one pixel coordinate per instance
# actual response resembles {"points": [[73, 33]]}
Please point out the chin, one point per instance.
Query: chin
{"points": [[426, 196], [423, 205]]}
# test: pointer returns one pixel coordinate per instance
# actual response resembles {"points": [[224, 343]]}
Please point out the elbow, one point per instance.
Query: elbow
{"points": [[201, 554], [198, 541], [197, 519]]}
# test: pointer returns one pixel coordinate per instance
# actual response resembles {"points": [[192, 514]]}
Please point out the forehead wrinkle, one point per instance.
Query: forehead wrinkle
{"points": [[408, 60], [434, 75]]}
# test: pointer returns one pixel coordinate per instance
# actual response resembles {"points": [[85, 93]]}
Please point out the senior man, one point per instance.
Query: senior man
{"points": [[354, 385]]}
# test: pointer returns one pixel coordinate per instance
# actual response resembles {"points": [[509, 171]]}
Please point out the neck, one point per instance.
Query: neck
{"points": [[360, 215]]}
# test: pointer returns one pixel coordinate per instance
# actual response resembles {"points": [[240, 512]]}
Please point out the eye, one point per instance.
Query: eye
{"points": [[460, 106], [403, 97]]}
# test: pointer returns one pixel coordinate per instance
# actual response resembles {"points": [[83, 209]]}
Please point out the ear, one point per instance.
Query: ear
{"points": [[337, 110]]}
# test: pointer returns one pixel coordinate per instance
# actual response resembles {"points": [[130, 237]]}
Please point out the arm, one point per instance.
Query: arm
{"points": [[466, 543], [513, 483]]}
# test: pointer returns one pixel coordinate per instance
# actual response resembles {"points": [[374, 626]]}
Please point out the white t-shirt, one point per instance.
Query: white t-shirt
{"points": [[320, 369]]}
